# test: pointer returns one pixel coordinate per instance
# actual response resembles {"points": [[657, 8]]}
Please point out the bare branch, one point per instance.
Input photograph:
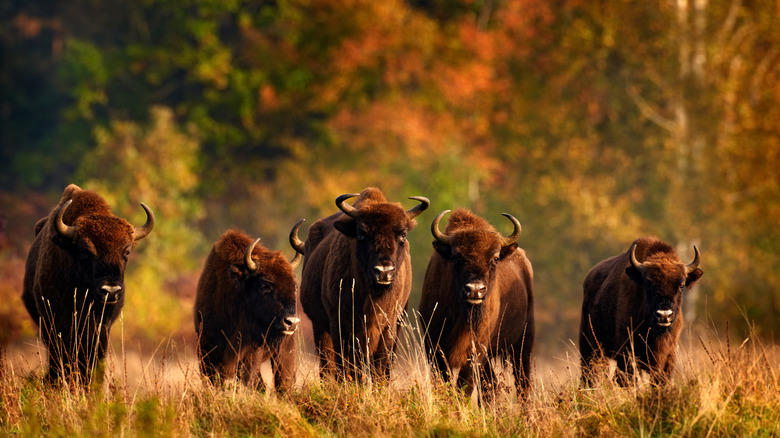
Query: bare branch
{"points": [[649, 112]]}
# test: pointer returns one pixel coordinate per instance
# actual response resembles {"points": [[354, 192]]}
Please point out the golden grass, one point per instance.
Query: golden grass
{"points": [[721, 387]]}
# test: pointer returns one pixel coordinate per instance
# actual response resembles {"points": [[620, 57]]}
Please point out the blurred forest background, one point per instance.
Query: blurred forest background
{"points": [[592, 122]]}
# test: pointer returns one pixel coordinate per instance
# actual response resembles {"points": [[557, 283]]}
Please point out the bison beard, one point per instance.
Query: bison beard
{"points": [[632, 312], [74, 280]]}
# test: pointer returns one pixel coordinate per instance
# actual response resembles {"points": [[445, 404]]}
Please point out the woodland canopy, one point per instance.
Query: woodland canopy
{"points": [[592, 122]]}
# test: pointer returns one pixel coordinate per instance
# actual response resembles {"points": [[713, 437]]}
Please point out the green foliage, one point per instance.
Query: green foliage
{"points": [[592, 122], [159, 162]]}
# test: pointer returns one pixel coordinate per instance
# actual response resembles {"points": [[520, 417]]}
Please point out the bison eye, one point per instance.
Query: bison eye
{"points": [[361, 235], [402, 237]]}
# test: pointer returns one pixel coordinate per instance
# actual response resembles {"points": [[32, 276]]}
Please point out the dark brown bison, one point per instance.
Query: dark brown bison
{"points": [[74, 279], [245, 311], [356, 282], [477, 302], [631, 309]]}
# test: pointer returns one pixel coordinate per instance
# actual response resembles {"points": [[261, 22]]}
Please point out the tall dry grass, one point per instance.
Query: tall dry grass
{"points": [[722, 387]]}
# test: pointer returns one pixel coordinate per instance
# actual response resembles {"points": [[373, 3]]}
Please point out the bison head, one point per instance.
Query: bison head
{"points": [[664, 278], [99, 246], [266, 296], [474, 254], [379, 230]]}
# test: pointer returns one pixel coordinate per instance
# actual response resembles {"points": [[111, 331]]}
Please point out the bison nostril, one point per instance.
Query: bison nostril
{"points": [[384, 273], [291, 323], [664, 317], [475, 290], [109, 293]]}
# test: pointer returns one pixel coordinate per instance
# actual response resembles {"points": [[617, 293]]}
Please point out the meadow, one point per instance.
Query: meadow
{"points": [[721, 387]]}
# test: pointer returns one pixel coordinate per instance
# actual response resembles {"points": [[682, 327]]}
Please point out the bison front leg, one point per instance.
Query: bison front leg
{"points": [[382, 358], [662, 374], [591, 353], [521, 369], [249, 369], [466, 378], [91, 354], [488, 380], [283, 363], [626, 369], [521, 361], [59, 361]]}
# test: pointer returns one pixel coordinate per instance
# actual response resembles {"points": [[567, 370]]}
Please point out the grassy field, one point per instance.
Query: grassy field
{"points": [[721, 387]]}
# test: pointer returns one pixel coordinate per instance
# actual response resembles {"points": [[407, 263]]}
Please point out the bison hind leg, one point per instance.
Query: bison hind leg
{"points": [[324, 343]]}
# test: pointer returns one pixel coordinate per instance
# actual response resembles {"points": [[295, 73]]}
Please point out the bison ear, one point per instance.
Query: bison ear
{"points": [[347, 226], [507, 250], [39, 225], [443, 249], [62, 242], [237, 273], [634, 274], [693, 277]]}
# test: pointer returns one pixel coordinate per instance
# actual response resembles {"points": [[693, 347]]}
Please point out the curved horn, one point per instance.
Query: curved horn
{"points": [[346, 208], [695, 263], [443, 238], [144, 230], [634, 262], [297, 244], [421, 207], [66, 231], [512, 238], [250, 264]]}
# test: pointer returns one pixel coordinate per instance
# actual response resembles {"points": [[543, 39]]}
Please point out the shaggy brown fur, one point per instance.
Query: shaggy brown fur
{"points": [[461, 334], [620, 318], [351, 312], [244, 318], [74, 288]]}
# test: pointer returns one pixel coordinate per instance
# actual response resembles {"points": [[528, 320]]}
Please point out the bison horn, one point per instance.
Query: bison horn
{"points": [[297, 244], [634, 262], [144, 230], [442, 238], [512, 238], [346, 208], [421, 207], [250, 264], [66, 231], [695, 263]]}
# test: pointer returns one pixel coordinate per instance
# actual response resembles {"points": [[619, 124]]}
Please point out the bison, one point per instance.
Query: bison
{"points": [[631, 310], [477, 302], [356, 282], [74, 279], [245, 311]]}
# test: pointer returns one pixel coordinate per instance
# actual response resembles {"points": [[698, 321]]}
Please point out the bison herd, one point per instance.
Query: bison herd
{"points": [[476, 305]]}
